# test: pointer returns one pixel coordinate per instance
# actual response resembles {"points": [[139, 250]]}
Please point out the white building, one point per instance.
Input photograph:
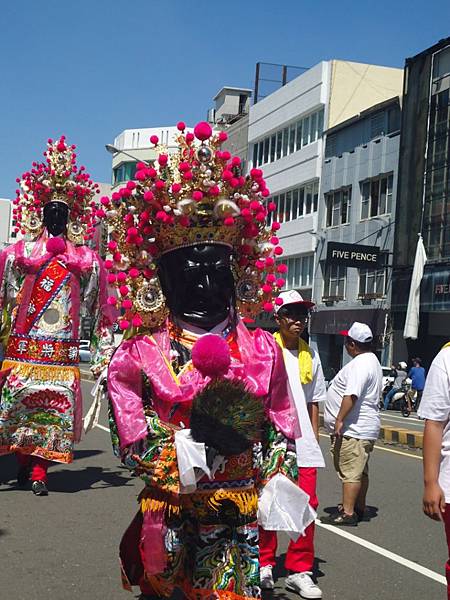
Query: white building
{"points": [[134, 145], [6, 225], [286, 140]]}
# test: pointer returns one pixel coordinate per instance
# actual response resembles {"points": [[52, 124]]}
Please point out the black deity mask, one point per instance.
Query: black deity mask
{"points": [[198, 284], [56, 215]]}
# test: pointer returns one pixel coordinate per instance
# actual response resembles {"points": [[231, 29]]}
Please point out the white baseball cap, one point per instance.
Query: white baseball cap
{"points": [[293, 297], [402, 364], [360, 332]]}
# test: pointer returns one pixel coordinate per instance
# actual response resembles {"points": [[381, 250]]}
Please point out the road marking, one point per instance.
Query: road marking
{"points": [[418, 456], [399, 418], [102, 427], [386, 553]]}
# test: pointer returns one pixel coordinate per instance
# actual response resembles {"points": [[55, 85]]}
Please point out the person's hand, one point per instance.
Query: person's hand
{"points": [[338, 427], [433, 501], [142, 466]]}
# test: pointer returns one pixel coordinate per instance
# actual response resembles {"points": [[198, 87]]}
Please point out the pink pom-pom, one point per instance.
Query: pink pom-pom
{"points": [[111, 301], [104, 200], [127, 304], [148, 196], [112, 245], [136, 321], [228, 221], [133, 272], [108, 264], [271, 278], [181, 126], [202, 131], [111, 278], [56, 245], [266, 288], [211, 356], [124, 290], [280, 283], [124, 324], [278, 251], [222, 137], [275, 226], [197, 195], [256, 174], [282, 269], [154, 139], [131, 185], [189, 137], [279, 301], [121, 277], [176, 188], [163, 159], [268, 306]]}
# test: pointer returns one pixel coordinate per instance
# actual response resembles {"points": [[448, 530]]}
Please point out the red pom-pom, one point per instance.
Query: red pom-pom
{"points": [[181, 126], [202, 131], [268, 307], [154, 139], [56, 245], [211, 356]]}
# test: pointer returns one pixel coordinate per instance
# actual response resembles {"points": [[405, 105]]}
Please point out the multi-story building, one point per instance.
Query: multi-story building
{"points": [[423, 203], [286, 140], [133, 145], [6, 235], [355, 230]]}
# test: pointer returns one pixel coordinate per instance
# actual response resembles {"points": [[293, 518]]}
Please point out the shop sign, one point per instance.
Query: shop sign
{"points": [[353, 255]]}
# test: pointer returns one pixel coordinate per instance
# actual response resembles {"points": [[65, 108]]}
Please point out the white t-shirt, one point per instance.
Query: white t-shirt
{"points": [[361, 377], [435, 405], [307, 448]]}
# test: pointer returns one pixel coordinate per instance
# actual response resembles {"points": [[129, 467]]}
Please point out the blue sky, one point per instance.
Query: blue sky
{"points": [[91, 68]]}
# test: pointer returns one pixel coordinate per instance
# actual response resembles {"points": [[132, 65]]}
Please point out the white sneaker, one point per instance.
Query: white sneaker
{"points": [[266, 578], [303, 585]]}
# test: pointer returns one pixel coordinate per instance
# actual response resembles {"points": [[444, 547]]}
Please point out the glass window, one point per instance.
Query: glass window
{"points": [[313, 127], [266, 150], [305, 127], [260, 153], [298, 142], [279, 144], [320, 124], [373, 282], [272, 148], [374, 198], [338, 207], [291, 139], [315, 195], [334, 282], [301, 202], [365, 200], [280, 218], [308, 208], [294, 204], [255, 154], [288, 206], [285, 141]]}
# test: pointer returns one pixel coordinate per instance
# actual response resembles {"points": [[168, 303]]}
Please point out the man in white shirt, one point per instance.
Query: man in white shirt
{"points": [[352, 418], [307, 385], [435, 408]]}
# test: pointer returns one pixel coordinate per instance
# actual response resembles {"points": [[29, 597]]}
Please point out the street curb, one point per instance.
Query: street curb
{"points": [[86, 375], [396, 435]]}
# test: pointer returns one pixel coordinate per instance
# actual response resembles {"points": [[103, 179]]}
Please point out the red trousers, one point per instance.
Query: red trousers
{"points": [[38, 466], [447, 533], [300, 554]]}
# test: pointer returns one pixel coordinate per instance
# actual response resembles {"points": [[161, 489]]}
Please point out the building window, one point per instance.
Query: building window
{"points": [[373, 282], [437, 184], [124, 172], [334, 282], [376, 196], [338, 207], [288, 140], [300, 271], [377, 124], [295, 203]]}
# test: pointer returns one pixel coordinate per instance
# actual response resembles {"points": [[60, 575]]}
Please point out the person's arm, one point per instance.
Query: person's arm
{"points": [[313, 411], [348, 402], [433, 496]]}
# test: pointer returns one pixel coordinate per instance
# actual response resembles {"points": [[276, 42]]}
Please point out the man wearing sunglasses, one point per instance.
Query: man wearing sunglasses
{"points": [[307, 385]]}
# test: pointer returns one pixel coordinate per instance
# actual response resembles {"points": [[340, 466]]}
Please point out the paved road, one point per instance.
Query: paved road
{"points": [[64, 547]]}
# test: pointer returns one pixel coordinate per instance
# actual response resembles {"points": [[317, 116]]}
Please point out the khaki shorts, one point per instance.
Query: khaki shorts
{"points": [[351, 458]]}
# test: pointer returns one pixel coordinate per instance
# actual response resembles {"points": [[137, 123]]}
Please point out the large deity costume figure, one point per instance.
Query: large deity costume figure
{"points": [[50, 280], [199, 405]]}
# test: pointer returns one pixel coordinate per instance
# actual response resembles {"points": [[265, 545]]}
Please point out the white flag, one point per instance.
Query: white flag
{"points": [[412, 313]]}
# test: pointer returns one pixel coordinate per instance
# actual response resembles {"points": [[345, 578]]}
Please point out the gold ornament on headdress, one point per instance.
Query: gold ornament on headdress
{"points": [[58, 179], [197, 195]]}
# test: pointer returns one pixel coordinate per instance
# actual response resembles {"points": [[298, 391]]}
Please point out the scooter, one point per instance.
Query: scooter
{"points": [[399, 399]]}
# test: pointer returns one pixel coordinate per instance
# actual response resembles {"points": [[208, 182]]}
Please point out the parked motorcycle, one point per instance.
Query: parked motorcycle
{"points": [[399, 401]]}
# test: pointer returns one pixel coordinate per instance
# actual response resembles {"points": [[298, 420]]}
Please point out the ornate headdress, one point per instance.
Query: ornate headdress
{"points": [[56, 179], [196, 195]]}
